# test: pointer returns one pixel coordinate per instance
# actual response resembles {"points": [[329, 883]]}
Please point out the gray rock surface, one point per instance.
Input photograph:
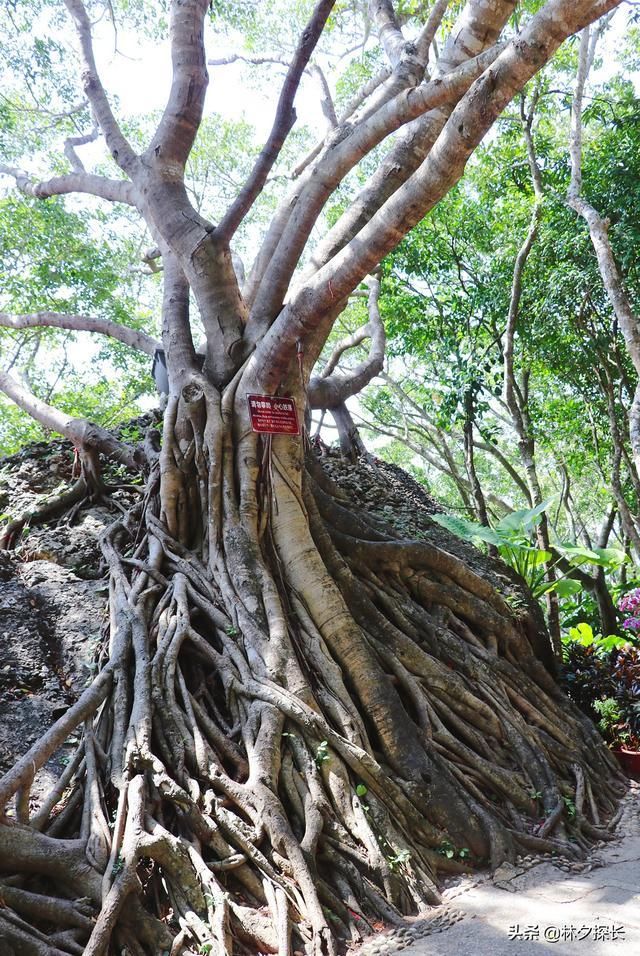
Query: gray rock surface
{"points": [[75, 612], [31, 692], [50, 623]]}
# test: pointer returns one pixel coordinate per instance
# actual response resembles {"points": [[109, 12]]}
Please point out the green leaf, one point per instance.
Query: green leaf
{"points": [[536, 556], [583, 634], [565, 587], [361, 790], [610, 642], [578, 555], [468, 530], [611, 557], [525, 519]]}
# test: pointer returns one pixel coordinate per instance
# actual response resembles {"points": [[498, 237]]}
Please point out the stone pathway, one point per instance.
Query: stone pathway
{"points": [[590, 908]]}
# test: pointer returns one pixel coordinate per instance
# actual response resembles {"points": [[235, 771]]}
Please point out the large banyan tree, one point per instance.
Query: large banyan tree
{"points": [[300, 718]]}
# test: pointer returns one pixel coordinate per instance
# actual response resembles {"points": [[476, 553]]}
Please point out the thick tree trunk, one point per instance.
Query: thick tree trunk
{"points": [[298, 715]]}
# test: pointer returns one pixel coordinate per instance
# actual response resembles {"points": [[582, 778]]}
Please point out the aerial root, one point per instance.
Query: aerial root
{"points": [[231, 789]]}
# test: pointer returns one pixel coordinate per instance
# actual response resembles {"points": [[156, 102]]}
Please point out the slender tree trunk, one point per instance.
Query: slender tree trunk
{"points": [[516, 396], [478, 496], [351, 444], [598, 227]]}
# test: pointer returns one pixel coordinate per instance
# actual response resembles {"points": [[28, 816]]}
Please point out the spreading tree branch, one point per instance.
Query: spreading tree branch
{"points": [[348, 342], [470, 120], [113, 190], [326, 100], [247, 58], [476, 29], [290, 231], [70, 144], [178, 127], [118, 145], [332, 388], [362, 95], [82, 433], [389, 30], [508, 467], [134, 338], [283, 122], [428, 32]]}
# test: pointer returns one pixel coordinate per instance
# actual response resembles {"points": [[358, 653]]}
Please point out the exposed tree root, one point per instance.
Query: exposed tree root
{"points": [[87, 489], [300, 720], [60, 505]]}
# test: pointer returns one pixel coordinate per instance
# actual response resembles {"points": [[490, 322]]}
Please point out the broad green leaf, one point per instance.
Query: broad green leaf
{"points": [[526, 518], [565, 587], [611, 641], [611, 557], [535, 556], [578, 555], [583, 633], [468, 530]]}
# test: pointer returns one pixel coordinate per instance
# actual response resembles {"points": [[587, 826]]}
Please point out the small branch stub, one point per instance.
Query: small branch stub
{"points": [[273, 415]]}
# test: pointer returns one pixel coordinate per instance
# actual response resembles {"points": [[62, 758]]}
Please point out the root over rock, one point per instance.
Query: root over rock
{"points": [[301, 718]]}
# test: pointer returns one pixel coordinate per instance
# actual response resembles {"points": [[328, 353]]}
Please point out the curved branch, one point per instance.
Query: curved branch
{"points": [[331, 389], [117, 143], [389, 30], [476, 30], [363, 94], [282, 124], [508, 467], [179, 124], [83, 433], [70, 144], [469, 122], [428, 33], [326, 100], [150, 258], [134, 338], [247, 58], [288, 236], [113, 190], [348, 342], [441, 458]]}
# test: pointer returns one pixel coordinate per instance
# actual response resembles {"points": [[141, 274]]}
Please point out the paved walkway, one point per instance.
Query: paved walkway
{"points": [[543, 909]]}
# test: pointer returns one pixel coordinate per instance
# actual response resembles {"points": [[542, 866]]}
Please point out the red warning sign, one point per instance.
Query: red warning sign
{"points": [[273, 415]]}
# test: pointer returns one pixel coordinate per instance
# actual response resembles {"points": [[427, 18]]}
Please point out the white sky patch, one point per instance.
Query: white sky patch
{"points": [[139, 75]]}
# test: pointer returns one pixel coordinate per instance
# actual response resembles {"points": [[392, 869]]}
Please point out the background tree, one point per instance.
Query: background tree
{"points": [[572, 377]]}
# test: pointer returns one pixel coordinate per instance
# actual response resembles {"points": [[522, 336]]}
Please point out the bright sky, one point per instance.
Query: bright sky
{"points": [[139, 74]]}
